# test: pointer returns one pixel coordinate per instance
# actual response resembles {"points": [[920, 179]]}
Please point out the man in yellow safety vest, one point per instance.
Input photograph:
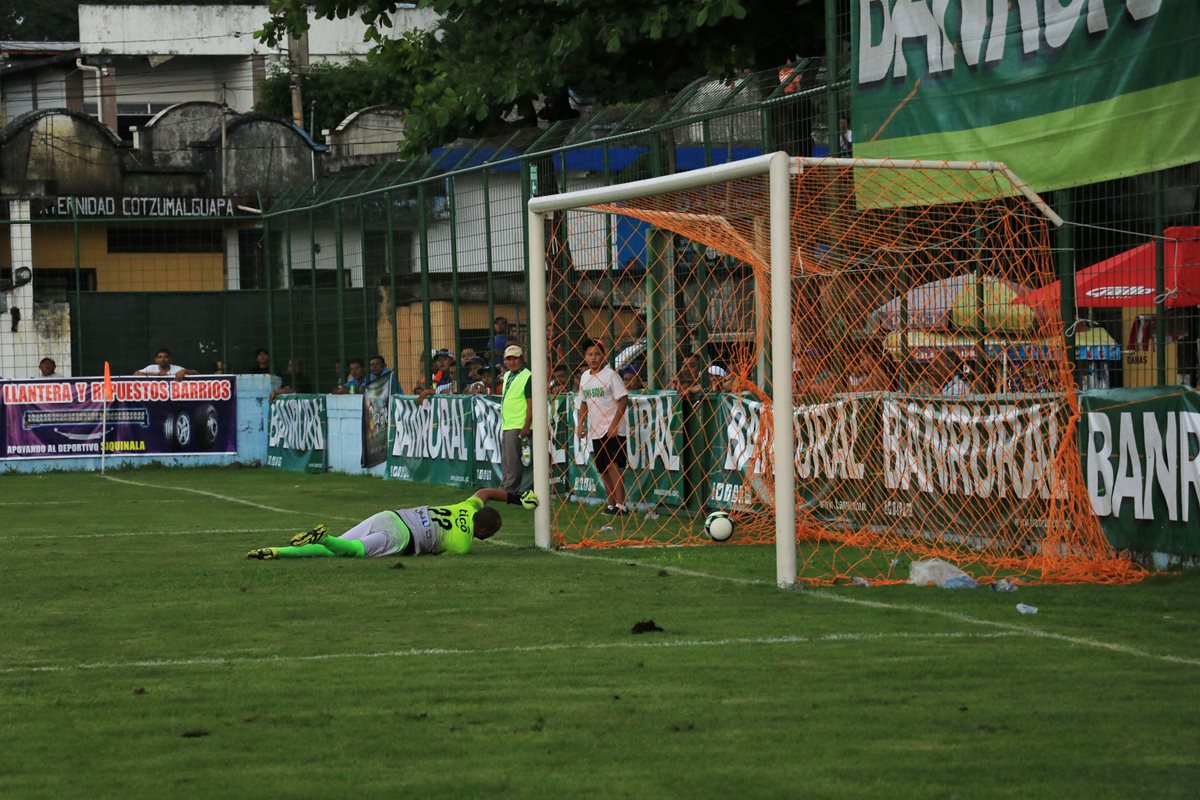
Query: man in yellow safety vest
{"points": [[516, 417]]}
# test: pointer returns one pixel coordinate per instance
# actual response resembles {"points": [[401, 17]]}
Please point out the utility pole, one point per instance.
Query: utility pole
{"points": [[297, 68]]}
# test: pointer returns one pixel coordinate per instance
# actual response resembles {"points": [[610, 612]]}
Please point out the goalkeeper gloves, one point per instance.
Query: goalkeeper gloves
{"points": [[527, 500]]}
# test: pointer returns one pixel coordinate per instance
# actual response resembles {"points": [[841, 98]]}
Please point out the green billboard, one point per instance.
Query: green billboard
{"points": [[297, 431], [1065, 92]]}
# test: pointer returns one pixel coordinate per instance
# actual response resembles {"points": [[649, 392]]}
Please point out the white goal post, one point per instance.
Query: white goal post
{"points": [[777, 167]]}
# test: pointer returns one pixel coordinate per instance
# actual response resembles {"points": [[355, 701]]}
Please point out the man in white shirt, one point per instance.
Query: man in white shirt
{"points": [[602, 418], [163, 368]]}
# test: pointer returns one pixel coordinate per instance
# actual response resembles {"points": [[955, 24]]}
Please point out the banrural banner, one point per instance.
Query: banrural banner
{"points": [[1141, 463], [862, 458], [433, 440], [486, 428], [147, 417], [455, 440], [1065, 92], [297, 432]]}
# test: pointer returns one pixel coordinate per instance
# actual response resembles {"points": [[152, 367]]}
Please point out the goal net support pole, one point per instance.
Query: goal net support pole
{"points": [[777, 167]]}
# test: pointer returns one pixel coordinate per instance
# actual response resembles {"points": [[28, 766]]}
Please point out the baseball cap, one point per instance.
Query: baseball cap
{"points": [[718, 371], [512, 351], [443, 352]]}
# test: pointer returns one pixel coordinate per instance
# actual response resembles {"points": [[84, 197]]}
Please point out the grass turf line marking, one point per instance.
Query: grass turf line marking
{"points": [[817, 593], [825, 594], [147, 533], [260, 506], [221, 661]]}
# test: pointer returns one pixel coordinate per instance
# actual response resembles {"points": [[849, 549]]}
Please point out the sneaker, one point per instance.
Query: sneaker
{"points": [[610, 510], [262, 554], [310, 536], [621, 509]]}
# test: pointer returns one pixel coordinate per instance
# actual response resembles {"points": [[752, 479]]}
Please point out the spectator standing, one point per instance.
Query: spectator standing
{"points": [[845, 137], [379, 368], [560, 381], [262, 363], [498, 341], [687, 380], [163, 368], [516, 417], [47, 370], [602, 419], [294, 380], [357, 379]]}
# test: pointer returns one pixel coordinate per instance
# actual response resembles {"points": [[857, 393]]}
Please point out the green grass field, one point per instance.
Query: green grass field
{"points": [[144, 657]]}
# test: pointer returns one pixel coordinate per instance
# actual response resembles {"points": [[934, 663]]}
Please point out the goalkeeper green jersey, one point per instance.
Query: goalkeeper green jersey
{"points": [[438, 529]]}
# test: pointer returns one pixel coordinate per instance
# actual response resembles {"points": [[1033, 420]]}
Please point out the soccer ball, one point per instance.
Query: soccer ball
{"points": [[718, 526]]}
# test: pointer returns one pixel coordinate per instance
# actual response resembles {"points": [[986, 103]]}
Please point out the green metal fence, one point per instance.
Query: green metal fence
{"points": [[407, 257]]}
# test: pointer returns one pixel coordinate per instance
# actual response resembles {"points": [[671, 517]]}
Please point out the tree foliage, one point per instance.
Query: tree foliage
{"points": [[331, 92], [488, 61]]}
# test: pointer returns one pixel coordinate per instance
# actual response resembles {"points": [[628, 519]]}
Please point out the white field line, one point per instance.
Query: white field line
{"points": [[819, 594], [252, 504], [147, 533], [837, 597], [417, 652], [40, 503]]}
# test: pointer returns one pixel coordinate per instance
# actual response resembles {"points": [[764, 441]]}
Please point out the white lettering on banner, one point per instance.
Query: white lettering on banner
{"points": [[1172, 463], [914, 20], [826, 435], [296, 424], [741, 433], [582, 447], [732, 493], [40, 393], [487, 430], [433, 429], [650, 438], [141, 207], [556, 414], [974, 451]]}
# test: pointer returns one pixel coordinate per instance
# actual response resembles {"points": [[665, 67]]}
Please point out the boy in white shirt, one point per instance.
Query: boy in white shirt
{"points": [[602, 418]]}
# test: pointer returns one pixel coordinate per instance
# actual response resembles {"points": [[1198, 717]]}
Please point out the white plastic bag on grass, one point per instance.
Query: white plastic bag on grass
{"points": [[939, 573]]}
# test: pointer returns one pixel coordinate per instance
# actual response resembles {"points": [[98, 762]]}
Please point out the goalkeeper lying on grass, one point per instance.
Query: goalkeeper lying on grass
{"points": [[424, 530]]}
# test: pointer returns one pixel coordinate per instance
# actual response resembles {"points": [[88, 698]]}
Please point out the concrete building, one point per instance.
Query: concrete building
{"points": [[143, 59]]}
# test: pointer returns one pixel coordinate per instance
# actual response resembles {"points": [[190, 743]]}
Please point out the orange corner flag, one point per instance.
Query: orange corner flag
{"points": [[108, 387]]}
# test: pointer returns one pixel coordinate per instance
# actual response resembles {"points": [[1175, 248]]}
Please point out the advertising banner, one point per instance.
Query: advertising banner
{"points": [[1065, 93], [655, 473], [149, 416], [485, 410], [985, 453], [562, 434], [432, 441], [297, 432], [1141, 462], [377, 397], [735, 422]]}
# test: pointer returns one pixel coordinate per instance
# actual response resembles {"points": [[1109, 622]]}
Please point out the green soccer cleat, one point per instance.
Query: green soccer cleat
{"points": [[312, 536], [263, 554]]}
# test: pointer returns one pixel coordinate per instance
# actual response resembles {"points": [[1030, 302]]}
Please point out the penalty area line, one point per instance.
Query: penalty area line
{"points": [[417, 652]]}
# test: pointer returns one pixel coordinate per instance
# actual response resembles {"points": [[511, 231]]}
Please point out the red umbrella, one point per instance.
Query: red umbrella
{"points": [[1127, 279]]}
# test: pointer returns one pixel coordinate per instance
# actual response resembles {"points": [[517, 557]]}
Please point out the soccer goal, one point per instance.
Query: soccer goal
{"points": [[830, 351]]}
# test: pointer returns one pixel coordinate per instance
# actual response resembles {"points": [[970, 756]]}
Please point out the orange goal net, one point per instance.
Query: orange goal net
{"points": [[933, 416]]}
